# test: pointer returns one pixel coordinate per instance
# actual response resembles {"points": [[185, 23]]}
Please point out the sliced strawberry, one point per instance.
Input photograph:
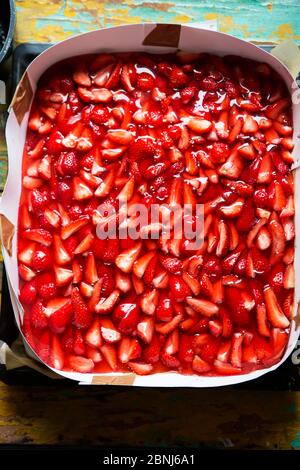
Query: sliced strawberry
{"points": [[125, 260], [37, 317], [61, 255], [93, 335], [141, 264], [106, 305], [42, 345], [46, 286], [223, 368], [78, 343], [164, 311], [129, 349], [145, 329], [128, 314], [81, 364], [167, 327], [74, 226], [200, 366], [151, 352], [171, 362], [149, 301], [61, 318], [82, 315], [110, 355], [38, 235], [28, 292], [179, 288], [239, 305], [140, 368], [205, 307], [109, 332], [56, 355], [274, 311]]}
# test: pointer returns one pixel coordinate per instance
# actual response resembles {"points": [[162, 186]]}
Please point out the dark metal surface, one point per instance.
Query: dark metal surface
{"points": [[7, 26]]}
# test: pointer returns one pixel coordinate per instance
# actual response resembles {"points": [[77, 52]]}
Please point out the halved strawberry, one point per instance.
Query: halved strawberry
{"points": [[28, 292], [128, 314], [78, 343], [37, 317], [223, 368], [93, 335], [108, 331], [61, 318], [38, 235], [56, 355], [129, 349], [106, 305], [46, 286], [145, 329], [205, 307], [151, 352], [125, 260], [274, 311], [74, 226], [140, 368], [81, 364], [110, 355], [149, 301], [179, 288], [82, 315]]}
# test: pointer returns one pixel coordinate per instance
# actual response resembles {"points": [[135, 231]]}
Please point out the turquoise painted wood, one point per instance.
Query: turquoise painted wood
{"points": [[255, 20]]}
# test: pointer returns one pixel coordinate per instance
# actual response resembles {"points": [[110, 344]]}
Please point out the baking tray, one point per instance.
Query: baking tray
{"points": [[286, 377]]}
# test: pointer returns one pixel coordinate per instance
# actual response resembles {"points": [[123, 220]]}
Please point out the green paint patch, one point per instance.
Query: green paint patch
{"points": [[295, 444]]}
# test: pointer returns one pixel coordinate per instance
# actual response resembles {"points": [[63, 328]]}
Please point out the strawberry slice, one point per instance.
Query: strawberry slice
{"points": [[109, 332], [38, 235], [128, 314], [145, 329], [200, 366], [141, 264], [81, 364], [74, 226], [167, 327], [61, 255], [140, 368], [171, 362], [149, 301], [125, 260], [37, 317], [179, 289], [240, 304], [28, 292], [223, 368], [129, 349], [106, 305], [42, 345], [56, 355], [61, 318], [82, 315], [151, 352], [110, 355], [164, 311], [93, 335], [278, 241], [205, 307], [274, 311]]}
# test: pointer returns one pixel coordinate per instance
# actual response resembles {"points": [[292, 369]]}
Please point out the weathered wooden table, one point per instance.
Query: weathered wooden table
{"points": [[238, 418]]}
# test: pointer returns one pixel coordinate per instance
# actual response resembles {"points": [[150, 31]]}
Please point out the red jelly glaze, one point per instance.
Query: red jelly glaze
{"points": [[186, 128]]}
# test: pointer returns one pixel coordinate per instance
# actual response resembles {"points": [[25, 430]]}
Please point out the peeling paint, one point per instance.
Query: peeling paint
{"points": [[295, 444], [255, 20]]}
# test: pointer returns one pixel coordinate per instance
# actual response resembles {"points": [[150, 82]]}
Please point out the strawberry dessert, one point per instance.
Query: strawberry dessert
{"points": [[158, 131]]}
